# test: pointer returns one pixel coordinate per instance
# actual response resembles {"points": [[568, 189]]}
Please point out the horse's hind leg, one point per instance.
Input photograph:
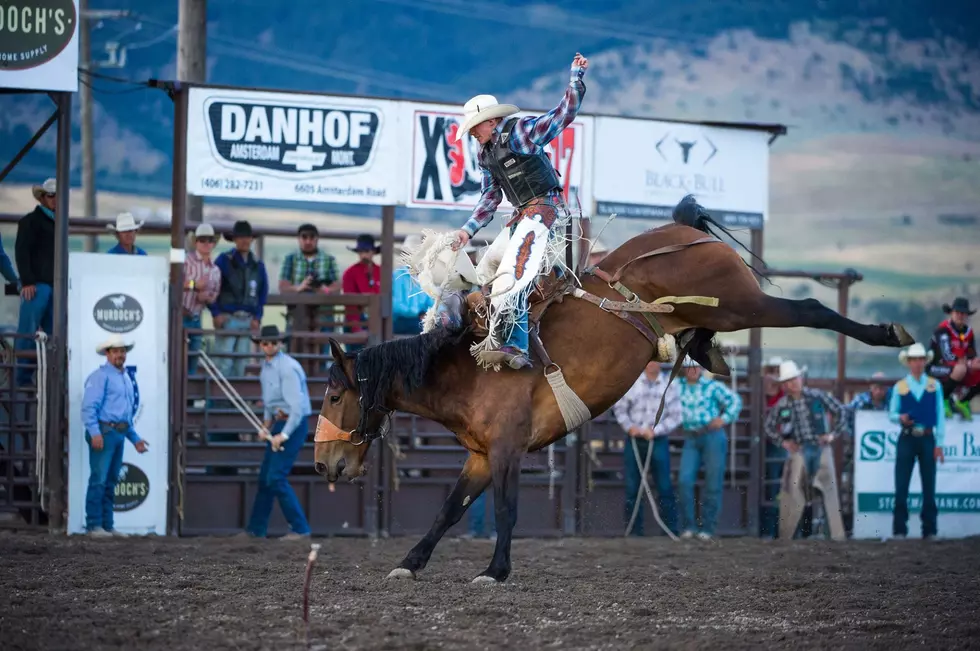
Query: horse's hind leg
{"points": [[472, 481], [773, 312]]}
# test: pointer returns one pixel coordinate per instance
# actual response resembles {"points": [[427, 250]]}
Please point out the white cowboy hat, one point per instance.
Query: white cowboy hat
{"points": [[773, 362], [125, 222], [690, 363], [411, 244], [50, 186], [788, 370], [480, 109], [114, 341], [914, 351], [203, 230]]}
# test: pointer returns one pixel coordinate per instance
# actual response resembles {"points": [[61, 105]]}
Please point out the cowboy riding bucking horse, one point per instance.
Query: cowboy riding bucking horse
{"points": [[515, 165]]}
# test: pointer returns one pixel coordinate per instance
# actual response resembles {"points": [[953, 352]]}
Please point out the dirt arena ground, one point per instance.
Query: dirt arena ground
{"points": [[148, 594]]}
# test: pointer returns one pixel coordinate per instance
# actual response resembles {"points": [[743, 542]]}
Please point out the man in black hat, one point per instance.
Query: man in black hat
{"points": [[286, 401], [241, 300], [362, 277], [955, 363]]}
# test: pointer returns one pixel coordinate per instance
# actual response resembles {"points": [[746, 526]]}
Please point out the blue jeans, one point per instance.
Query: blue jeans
{"points": [[519, 337], [194, 343], [708, 448], [660, 471], [274, 484], [776, 457], [35, 315], [104, 467], [477, 514], [909, 449], [234, 367]]}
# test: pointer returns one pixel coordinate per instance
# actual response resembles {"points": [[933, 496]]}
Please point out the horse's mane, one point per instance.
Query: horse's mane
{"points": [[408, 359]]}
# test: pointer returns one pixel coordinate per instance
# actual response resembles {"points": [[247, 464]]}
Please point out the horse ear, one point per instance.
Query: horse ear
{"points": [[338, 356]]}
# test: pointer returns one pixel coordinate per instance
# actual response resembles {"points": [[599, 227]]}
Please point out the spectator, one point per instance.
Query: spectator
{"points": [[954, 359], [408, 302], [798, 422], [241, 299], [286, 401], [917, 405], [775, 454], [202, 280], [362, 277], [636, 413], [308, 269], [876, 398], [107, 414], [707, 407], [34, 252], [125, 229]]}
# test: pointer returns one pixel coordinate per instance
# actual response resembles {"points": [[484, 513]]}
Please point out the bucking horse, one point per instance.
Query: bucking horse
{"points": [[598, 330]]}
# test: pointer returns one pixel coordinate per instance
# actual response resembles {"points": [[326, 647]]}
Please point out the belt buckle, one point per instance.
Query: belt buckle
{"points": [[918, 430]]}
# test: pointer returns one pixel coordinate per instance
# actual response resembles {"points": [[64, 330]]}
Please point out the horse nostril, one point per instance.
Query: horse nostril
{"points": [[341, 465], [321, 468]]}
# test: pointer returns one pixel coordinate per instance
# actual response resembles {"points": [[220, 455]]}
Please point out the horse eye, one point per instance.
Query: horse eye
{"points": [[334, 400]]}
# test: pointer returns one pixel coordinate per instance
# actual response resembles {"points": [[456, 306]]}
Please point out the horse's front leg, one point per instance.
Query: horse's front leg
{"points": [[472, 481], [505, 468]]}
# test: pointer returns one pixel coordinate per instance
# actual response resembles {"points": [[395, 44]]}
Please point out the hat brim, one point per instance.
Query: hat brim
{"points": [[489, 113], [355, 249], [948, 309], [136, 227], [800, 372], [904, 358], [280, 338]]}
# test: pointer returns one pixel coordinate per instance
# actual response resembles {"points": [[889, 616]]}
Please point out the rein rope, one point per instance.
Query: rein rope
{"points": [[235, 397], [41, 426]]}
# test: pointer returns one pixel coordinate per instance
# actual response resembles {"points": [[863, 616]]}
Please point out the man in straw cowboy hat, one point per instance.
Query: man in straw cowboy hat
{"points": [[917, 406], [515, 165], [108, 406], [955, 362], [34, 254], [798, 422], [125, 229], [202, 280], [286, 401]]}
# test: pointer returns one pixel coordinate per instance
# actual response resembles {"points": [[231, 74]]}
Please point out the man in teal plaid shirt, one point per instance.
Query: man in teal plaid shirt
{"points": [[309, 269]]}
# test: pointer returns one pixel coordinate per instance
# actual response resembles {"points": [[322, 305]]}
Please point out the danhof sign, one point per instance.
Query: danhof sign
{"points": [[38, 44], [290, 146], [446, 174]]}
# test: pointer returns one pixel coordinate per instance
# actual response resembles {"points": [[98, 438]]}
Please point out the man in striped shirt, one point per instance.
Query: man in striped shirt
{"points": [[707, 408], [515, 165], [202, 280]]}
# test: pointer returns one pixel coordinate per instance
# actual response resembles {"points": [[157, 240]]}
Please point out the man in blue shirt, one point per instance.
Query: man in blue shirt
{"points": [[241, 299], [125, 229], [917, 405], [408, 302], [286, 400], [107, 414]]}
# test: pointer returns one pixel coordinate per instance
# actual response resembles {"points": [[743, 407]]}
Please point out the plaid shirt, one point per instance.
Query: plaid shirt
{"points": [[863, 402], [530, 135], [638, 408], [803, 419], [296, 267], [206, 277], [705, 400]]}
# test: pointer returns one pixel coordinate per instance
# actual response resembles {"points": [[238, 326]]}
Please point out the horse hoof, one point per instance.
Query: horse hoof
{"points": [[401, 573], [900, 335], [484, 579]]}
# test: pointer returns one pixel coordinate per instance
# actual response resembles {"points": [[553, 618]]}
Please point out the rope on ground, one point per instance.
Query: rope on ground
{"points": [[645, 489], [233, 395], [40, 444]]}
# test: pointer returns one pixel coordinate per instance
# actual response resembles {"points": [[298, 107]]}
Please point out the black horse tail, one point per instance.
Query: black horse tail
{"points": [[690, 213]]}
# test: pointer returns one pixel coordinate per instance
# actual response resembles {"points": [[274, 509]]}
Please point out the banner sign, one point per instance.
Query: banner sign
{"points": [[445, 173], [39, 45], [957, 480], [290, 146], [643, 168], [124, 295]]}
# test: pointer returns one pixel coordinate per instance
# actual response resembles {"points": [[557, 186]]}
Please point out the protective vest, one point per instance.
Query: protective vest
{"points": [[522, 177], [240, 284], [960, 343]]}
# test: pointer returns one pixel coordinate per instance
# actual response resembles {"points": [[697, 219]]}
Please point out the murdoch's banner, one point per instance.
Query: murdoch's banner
{"points": [[39, 45], [643, 168], [445, 173]]}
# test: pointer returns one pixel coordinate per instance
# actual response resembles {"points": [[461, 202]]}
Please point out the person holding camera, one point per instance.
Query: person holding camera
{"points": [[309, 269]]}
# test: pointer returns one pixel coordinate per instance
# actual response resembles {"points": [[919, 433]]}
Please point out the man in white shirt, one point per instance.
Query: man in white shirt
{"points": [[636, 413]]}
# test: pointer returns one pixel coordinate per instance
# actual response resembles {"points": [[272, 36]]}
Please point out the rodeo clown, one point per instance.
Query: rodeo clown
{"points": [[515, 165]]}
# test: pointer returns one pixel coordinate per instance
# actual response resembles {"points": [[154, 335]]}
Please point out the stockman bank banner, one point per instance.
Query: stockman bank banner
{"points": [[445, 173], [125, 295], [39, 44], [957, 480], [263, 145], [643, 168]]}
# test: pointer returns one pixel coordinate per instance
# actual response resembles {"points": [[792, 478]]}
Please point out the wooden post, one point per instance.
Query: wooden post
{"points": [[757, 442], [387, 268], [192, 34], [87, 125]]}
